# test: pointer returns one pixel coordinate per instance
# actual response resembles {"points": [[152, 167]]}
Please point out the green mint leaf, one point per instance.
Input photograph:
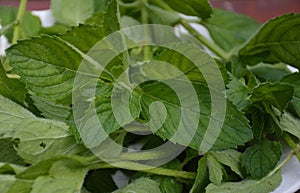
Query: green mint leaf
{"points": [[216, 170], [200, 8], [12, 88], [53, 175], [234, 131], [276, 41], [231, 158], [229, 29], [11, 116], [202, 179], [30, 26], [36, 138], [141, 185], [290, 124], [237, 92], [261, 158], [265, 185], [72, 12], [160, 16], [276, 94], [65, 176], [267, 72], [294, 80], [47, 65]]}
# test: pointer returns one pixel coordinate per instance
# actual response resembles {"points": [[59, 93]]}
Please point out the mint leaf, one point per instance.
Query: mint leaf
{"points": [[276, 94], [48, 77], [30, 26], [215, 169], [65, 176], [276, 41], [234, 131], [229, 29], [290, 124], [202, 179], [54, 175], [72, 12], [200, 8], [268, 72], [141, 185], [261, 158], [237, 92], [294, 80], [265, 185], [36, 138], [231, 158]]}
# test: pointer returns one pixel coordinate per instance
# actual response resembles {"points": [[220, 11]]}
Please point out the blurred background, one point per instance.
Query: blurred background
{"points": [[261, 10]]}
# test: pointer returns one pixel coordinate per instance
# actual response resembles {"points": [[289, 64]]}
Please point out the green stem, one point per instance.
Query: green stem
{"points": [[213, 47], [292, 144], [145, 20], [145, 169], [19, 19]]}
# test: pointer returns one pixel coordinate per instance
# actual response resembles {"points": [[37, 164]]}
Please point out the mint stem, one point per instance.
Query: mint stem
{"points": [[19, 19], [144, 168], [292, 144], [210, 45], [145, 20]]}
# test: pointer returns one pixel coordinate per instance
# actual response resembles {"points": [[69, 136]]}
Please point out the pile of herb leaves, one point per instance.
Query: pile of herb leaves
{"points": [[41, 149]]}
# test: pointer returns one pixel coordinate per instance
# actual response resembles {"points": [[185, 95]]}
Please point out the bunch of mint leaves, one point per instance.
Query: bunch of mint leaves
{"points": [[41, 147]]}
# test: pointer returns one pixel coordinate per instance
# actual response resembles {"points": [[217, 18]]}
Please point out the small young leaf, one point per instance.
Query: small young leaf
{"points": [[231, 158], [141, 185], [276, 94], [265, 185], [294, 80], [200, 8], [261, 158], [229, 29], [71, 12], [276, 41], [267, 72], [202, 179], [237, 92], [215, 169]]}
